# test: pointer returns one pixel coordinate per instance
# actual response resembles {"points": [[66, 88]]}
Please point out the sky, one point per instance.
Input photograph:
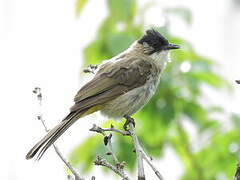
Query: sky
{"points": [[40, 45]]}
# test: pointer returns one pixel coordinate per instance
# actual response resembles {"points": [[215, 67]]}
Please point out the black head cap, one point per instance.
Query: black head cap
{"points": [[154, 39]]}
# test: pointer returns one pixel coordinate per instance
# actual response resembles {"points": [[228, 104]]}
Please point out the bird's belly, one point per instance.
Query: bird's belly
{"points": [[130, 102]]}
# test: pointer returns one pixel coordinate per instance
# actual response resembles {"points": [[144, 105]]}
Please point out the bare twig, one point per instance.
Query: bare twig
{"points": [[237, 174], [142, 155], [118, 170], [131, 124], [140, 152], [90, 69], [38, 93], [145, 157], [98, 129], [107, 140], [139, 155], [110, 148]]}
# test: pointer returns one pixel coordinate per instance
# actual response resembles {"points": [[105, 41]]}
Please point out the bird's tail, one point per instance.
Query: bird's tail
{"points": [[56, 132]]}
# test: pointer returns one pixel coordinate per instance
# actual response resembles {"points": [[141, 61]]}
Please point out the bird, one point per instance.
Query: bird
{"points": [[120, 87]]}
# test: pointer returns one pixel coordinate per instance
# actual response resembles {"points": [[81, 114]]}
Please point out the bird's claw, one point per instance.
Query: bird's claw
{"points": [[128, 121]]}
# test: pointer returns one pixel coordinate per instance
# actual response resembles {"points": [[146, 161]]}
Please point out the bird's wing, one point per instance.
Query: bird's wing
{"points": [[112, 81]]}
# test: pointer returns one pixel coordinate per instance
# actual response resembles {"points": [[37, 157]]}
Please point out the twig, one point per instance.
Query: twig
{"points": [[90, 69], [140, 152], [108, 143], [141, 175], [130, 132], [107, 139], [38, 93], [237, 174], [145, 157], [98, 129], [238, 81], [118, 170]]}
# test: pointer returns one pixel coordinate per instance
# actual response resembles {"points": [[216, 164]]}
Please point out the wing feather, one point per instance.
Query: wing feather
{"points": [[113, 81]]}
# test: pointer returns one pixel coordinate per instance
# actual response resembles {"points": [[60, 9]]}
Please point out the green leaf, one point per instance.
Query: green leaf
{"points": [[176, 99], [219, 156], [236, 120], [79, 6], [118, 42], [198, 115], [122, 10], [84, 155], [207, 77]]}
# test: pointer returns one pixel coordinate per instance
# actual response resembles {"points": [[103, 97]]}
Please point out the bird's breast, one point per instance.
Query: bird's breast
{"points": [[132, 101]]}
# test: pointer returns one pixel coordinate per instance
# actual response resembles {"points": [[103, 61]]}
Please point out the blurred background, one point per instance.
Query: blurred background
{"points": [[190, 127]]}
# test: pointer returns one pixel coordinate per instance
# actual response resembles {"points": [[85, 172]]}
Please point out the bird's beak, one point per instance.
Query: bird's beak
{"points": [[171, 46]]}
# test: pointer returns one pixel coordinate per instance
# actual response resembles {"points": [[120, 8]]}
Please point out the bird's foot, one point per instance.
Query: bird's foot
{"points": [[128, 121]]}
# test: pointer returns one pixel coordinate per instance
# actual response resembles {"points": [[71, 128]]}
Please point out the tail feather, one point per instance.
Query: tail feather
{"points": [[54, 138], [53, 135]]}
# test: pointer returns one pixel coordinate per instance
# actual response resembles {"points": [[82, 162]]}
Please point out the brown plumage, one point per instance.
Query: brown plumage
{"points": [[109, 83], [122, 86]]}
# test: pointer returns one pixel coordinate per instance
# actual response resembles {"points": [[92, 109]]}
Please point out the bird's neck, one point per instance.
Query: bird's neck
{"points": [[160, 59]]}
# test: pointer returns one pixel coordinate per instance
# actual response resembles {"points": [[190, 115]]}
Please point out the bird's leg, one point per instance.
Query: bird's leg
{"points": [[128, 121]]}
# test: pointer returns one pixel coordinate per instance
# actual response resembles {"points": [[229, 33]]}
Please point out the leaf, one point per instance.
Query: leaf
{"points": [[219, 156], [122, 40], [198, 115], [79, 6], [84, 154], [236, 120], [122, 10], [175, 99], [207, 77]]}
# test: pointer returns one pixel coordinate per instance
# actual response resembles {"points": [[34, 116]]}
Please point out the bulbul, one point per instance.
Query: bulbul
{"points": [[121, 86]]}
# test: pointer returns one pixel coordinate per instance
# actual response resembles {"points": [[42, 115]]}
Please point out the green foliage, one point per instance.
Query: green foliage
{"points": [[91, 147], [80, 5], [176, 101], [123, 10]]}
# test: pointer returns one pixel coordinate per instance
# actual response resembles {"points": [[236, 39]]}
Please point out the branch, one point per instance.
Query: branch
{"points": [[141, 175], [102, 131], [118, 168], [237, 174], [108, 143], [130, 132], [38, 93], [238, 81], [148, 160], [139, 151], [90, 69]]}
